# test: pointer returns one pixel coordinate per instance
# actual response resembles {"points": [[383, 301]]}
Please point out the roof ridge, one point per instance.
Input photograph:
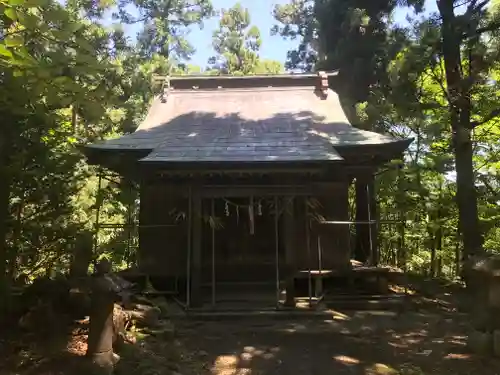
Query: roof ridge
{"points": [[196, 89], [292, 76], [319, 79]]}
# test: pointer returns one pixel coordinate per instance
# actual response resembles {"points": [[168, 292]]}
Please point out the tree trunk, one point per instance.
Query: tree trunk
{"points": [[457, 252], [5, 185], [74, 119], [466, 196], [459, 103], [432, 244], [439, 248], [13, 258]]}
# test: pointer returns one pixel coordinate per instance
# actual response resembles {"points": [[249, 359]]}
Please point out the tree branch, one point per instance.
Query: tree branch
{"points": [[493, 26], [492, 115]]}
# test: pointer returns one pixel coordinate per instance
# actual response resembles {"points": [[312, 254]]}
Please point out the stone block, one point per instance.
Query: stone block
{"points": [[496, 343], [382, 284], [480, 342], [494, 292]]}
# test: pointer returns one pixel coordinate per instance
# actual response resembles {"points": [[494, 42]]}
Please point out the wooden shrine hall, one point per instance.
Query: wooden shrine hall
{"points": [[244, 184]]}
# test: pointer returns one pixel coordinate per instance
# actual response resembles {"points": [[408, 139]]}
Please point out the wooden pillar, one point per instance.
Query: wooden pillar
{"points": [[143, 255], [300, 235], [343, 231], [196, 217], [290, 251], [366, 242]]}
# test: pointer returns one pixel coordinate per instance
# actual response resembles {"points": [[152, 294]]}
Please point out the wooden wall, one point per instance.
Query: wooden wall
{"points": [[239, 254], [334, 239], [162, 249]]}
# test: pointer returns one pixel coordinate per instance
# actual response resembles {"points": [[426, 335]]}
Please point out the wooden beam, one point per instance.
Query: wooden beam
{"points": [[247, 191], [217, 191], [249, 172]]}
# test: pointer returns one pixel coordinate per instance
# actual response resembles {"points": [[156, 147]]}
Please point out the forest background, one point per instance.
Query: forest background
{"points": [[75, 72]]}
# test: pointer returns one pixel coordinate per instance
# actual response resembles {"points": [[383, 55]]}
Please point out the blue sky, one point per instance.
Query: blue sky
{"points": [[273, 47]]}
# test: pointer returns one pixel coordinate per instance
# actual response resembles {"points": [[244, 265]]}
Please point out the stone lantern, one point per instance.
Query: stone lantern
{"points": [[484, 282], [105, 292]]}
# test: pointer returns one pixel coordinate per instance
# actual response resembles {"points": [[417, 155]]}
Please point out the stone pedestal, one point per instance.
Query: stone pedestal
{"points": [[484, 277], [480, 342]]}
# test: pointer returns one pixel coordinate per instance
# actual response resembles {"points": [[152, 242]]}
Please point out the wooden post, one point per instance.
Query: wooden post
{"points": [[196, 297], [212, 211], [308, 250], [97, 211], [365, 201], [143, 254], [130, 207], [277, 243], [290, 249], [189, 247]]}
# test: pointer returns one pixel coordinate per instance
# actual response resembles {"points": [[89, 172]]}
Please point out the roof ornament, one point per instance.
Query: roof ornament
{"points": [[322, 87]]}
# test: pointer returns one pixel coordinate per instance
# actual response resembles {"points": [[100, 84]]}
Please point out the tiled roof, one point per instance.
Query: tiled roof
{"points": [[253, 123]]}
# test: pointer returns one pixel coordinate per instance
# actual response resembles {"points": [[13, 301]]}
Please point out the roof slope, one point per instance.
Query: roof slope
{"points": [[254, 123]]}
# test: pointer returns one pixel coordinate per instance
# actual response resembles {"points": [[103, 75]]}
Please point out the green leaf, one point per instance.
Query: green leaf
{"points": [[5, 52], [61, 81], [34, 3], [14, 41], [85, 45], [11, 13], [66, 101], [56, 15], [74, 26], [24, 57], [28, 20]]}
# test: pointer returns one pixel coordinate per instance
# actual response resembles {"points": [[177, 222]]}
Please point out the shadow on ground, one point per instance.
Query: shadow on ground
{"points": [[358, 343], [429, 341], [59, 349]]}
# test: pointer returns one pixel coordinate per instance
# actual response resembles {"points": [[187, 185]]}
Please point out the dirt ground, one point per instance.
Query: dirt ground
{"points": [[425, 341], [352, 343]]}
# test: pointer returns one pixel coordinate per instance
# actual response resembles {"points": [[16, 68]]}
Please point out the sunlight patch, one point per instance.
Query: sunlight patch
{"points": [[398, 345], [346, 360], [380, 369], [246, 356], [457, 356], [339, 316], [226, 365]]}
